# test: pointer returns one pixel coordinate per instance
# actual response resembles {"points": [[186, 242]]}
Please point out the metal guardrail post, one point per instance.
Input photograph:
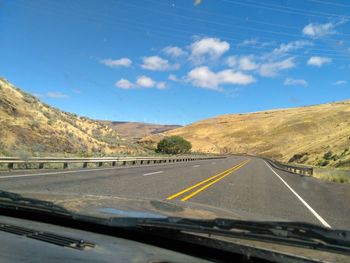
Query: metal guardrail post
{"points": [[85, 164], [65, 165]]}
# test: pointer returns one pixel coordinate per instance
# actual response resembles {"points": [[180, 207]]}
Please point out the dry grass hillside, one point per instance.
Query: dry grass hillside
{"points": [[317, 135], [31, 127], [138, 130]]}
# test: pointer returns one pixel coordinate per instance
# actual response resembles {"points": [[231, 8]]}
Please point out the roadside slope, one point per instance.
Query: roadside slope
{"points": [[317, 135], [29, 126]]}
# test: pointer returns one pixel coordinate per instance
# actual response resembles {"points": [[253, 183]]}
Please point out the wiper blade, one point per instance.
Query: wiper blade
{"points": [[10, 199], [290, 233]]}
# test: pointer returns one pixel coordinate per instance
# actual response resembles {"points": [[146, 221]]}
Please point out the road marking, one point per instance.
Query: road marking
{"points": [[53, 173], [202, 182], [301, 199], [86, 170], [213, 182], [194, 166], [213, 163], [159, 172]]}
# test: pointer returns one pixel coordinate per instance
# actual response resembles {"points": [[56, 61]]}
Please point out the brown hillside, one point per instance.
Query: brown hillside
{"points": [[301, 135], [137, 130], [30, 126]]}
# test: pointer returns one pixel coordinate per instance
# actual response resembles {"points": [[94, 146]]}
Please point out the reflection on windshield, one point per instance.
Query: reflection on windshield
{"points": [[188, 109]]}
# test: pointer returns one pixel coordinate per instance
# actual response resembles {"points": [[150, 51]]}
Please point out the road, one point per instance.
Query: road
{"points": [[237, 183]]}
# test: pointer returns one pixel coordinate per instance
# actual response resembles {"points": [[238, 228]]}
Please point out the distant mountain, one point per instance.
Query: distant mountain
{"points": [[137, 130], [317, 135], [29, 126]]}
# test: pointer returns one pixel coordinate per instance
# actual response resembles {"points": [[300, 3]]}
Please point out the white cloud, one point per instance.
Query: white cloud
{"points": [[211, 48], [294, 45], [247, 63], [123, 62], [56, 95], [340, 82], [174, 51], [320, 30], [141, 82], [203, 77], [156, 63], [317, 61], [248, 42], [272, 69], [145, 82], [232, 61], [173, 77], [295, 82], [244, 63], [124, 84], [197, 2], [161, 85], [255, 43]]}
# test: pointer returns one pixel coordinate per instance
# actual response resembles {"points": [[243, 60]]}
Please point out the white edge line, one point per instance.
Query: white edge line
{"points": [[159, 172], [301, 199], [53, 173], [85, 170], [194, 166]]}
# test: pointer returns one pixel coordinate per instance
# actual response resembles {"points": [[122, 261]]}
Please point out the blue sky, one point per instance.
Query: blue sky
{"points": [[176, 62]]}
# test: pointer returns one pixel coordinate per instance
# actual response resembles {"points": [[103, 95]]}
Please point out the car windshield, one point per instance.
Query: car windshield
{"points": [[205, 109]]}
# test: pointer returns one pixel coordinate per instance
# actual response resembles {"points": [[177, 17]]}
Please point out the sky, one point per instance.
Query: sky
{"points": [[176, 61]]}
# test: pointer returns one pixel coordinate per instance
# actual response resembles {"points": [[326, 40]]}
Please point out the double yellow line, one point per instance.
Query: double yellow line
{"points": [[210, 181]]}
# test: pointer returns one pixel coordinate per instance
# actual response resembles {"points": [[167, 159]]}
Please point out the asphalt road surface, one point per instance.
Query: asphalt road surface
{"points": [[236, 183]]}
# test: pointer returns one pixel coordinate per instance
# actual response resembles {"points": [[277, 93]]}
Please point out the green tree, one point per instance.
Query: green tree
{"points": [[174, 145]]}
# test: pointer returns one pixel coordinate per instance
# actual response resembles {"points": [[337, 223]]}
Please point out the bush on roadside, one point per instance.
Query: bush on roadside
{"points": [[323, 163], [328, 155], [174, 145]]}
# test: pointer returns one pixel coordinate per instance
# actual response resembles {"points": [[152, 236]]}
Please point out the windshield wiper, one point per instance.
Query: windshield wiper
{"points": [[17, 201], [290, 233]]}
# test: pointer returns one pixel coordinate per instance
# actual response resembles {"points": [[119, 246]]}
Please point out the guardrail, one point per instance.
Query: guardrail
{"points": [[303, 170], [14, 162]]}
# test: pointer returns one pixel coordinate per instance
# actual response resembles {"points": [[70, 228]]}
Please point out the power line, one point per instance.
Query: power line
{"points": [[217, 23], [140, 26], [284, 9], [330, 3], [260, 22]]}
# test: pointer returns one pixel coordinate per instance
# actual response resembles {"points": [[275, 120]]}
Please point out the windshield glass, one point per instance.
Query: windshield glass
{"points": [[196, 109]]}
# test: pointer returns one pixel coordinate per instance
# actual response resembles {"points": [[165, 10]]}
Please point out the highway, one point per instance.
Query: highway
{"points": [[238, 183]]}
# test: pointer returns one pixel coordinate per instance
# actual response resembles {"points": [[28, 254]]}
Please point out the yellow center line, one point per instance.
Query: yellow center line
{"points": [[202, 182], [213, 182]]}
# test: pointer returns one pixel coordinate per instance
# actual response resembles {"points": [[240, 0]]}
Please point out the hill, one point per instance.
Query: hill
{"points": [[135, 131], [31, 127], [316, 135]]}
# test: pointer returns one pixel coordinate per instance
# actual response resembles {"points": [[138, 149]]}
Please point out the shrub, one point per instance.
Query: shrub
{"points": [[38, 148], [35, 124], [323, 163], [328, 155], [29, 98], [335, 157], [298, 157], [174, 145]]}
